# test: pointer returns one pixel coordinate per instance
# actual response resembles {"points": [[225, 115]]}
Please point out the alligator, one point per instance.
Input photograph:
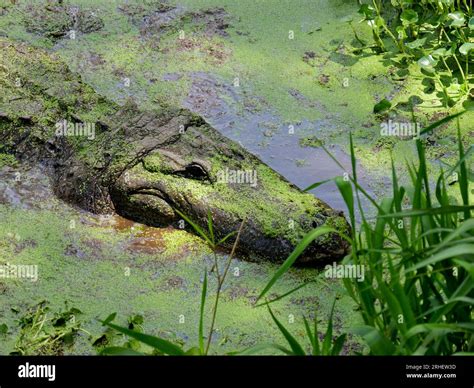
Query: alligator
{"points": [[148, 166]]}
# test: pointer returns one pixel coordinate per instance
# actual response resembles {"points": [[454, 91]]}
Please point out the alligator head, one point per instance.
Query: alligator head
{"points": [[149, 166], [184, 164]]}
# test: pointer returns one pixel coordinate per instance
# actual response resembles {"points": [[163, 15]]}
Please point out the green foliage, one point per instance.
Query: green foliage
{"points": [[438, 35], [7, 160], [417, 295], [327, 347], [43, 332]]}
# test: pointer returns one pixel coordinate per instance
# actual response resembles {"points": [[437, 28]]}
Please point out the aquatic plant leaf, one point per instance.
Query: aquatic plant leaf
{"points": [[466, 48], [409, 16], [382, 106], [457, 19]]}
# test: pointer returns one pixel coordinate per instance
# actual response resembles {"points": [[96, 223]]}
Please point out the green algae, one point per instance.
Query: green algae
{"points": [[7, 160], [264, 206], [260, 54], [89, 267]]}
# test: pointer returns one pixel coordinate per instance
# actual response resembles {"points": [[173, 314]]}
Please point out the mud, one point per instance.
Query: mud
{"points": [[56, 22], [167, 18]]}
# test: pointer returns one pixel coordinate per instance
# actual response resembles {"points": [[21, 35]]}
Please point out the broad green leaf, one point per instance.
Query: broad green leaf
{"points": [[409, 17], [468, 105], [457, 18], [466, 48], [109, 319], [417, 43], [367, 11], [428, 63], [439, 53], [382, 106]]}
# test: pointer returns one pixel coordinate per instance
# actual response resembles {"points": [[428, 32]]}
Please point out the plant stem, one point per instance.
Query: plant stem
{"points": [[220, 283]]}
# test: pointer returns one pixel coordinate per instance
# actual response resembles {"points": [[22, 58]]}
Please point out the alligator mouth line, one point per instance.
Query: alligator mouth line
{"points": [[152, 192]]}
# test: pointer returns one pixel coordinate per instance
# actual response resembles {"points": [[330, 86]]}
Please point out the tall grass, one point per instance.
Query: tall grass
{"points": [[417, 297]]}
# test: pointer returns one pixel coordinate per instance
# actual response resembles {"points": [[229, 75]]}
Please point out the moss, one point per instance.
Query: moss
{"points": [[273, 205], [179, 242], [7, 160]]}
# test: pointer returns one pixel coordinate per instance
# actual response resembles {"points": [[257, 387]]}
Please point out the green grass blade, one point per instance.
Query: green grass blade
{"points": [[284, 295], [201, 313], [313, 339], [210, 227], [453, 252], [317, 184], [379, 345], [160, 344], [463, 176], [224, 239], [119, 351], [441, 122], [328, 336], [345, 189], [259, 348], [307, 239], [294, 345], [196, 227], [338, 345]]}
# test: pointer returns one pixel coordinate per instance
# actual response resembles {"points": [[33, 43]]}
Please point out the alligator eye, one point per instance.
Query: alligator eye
{"points": [[194, 171]]}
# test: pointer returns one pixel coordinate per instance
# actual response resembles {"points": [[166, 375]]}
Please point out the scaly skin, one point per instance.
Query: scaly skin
{"points": [[145, 165]]}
